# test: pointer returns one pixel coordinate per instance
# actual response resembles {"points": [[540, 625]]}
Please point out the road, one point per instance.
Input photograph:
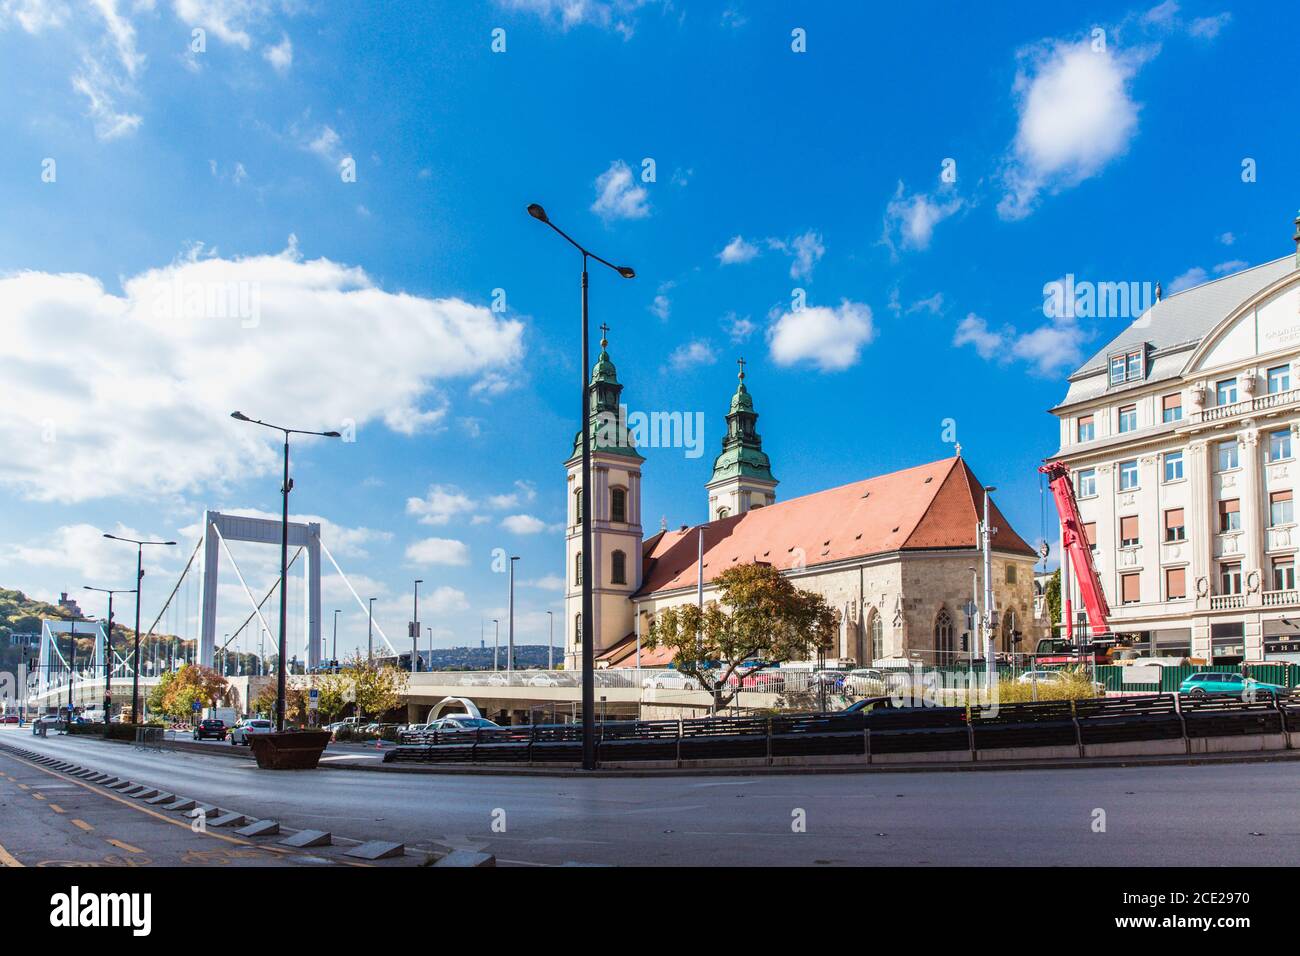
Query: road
{"points": [[1213, 814]]}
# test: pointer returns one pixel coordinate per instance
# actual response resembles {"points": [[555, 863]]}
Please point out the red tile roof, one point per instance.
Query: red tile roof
{"points": [[926, 508], [623, 654]]}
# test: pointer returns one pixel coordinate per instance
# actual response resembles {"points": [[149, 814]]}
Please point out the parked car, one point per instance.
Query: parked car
{"points": [[1053, 677], [240, 733], [865, 681], [462, 723], [671, 680], [1209, 683], [211, 727], [542, 680], [46, 721], [8, 718]]}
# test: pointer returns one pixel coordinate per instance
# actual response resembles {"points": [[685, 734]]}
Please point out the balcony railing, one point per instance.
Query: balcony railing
{"points": [[1227, 602], [1258, 404], [1277, 598]]}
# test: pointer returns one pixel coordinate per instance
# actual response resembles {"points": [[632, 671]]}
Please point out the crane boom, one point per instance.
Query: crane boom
{"points": [[1076, 544]]}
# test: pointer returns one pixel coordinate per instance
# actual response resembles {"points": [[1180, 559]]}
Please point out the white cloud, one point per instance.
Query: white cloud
{"points": [[662, 307], [692, 354], [1227, 238], [523, 524], [1232, 265], [933, 305], [524, 491], [913, 218], [1207, 28], [139, 401], [829, 339], [440, 504], [101, 90], [83, 551], [737, 250], [616, 15], [1052, 347], [280, 56], [618, 195], [1076, 115], [34, 15], [1192, 277], [549, 582], [438, 551], [739, 327], [805, 252], [227, 20], [973, 330]]}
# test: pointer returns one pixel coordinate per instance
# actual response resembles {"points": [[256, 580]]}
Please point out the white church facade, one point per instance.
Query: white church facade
{"points": [[894, 554]]}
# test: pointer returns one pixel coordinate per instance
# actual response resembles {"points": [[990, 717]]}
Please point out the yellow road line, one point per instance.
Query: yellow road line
{"points": [[57, 809], [125, 846], [7, 858], [83, 824]]}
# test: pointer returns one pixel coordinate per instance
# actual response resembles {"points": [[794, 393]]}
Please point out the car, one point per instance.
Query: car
{"points": [[8, 718], [211, 727], [240, 733], [671, 680], [461, 723], [865, 680], [1039, 677], [46, 722], [542, 680], [1210, 683]]}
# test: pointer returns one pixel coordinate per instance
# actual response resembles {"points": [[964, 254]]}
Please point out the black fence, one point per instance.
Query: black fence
{"points": [[875, 730]]}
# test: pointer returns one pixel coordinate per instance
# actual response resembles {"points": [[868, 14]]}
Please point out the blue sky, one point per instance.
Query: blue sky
{"points": [[367, 300]]}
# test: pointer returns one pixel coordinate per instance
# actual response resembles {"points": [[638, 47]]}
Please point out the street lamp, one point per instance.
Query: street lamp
{"points": [[286, 486], [496, 645], [415, 625], [510, 625], [334, 654], [108, 644], [139, 578], [370, 633], [588, 648], [550, 641]]}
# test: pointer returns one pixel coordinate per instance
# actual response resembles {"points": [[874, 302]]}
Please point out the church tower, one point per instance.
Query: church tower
{"points": [[615, 518], [742, 475]]}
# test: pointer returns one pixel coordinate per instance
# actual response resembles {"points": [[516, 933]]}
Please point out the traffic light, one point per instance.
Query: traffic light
{"points": [[965, 642]]}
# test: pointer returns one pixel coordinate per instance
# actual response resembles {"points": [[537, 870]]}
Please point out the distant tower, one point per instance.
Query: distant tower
{"points": [[742, 475], [615, 518]]}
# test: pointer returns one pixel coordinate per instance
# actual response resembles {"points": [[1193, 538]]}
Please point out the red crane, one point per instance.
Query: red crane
{"points": [[1080, 550]]}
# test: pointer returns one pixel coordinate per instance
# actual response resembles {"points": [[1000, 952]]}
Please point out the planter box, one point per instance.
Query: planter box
{"points": [[289, 750]]}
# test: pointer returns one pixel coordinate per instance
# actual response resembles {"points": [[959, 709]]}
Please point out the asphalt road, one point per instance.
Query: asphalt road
{"points": [[1208, 815]]}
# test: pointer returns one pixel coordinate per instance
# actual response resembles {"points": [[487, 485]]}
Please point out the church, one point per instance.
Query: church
{"points": [[896, 555]]}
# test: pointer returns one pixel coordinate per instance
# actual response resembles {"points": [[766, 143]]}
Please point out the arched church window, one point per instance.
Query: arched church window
{"points": [[577, 569], [944, 648], [618, 568], [723, 512], [577, 506], [618, 504], [577, 629], [877, 630]]}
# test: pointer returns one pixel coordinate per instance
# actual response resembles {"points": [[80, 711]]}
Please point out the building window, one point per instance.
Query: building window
{"points": [[1175, 528], [1225, 392], [1279, 444], [1011, 574], [1284, 574], [1128, 418], [577, 506], [1090, 534], [1087, 483], [1128, 475], [1175, 583], [944, 647], [618, 505], [723, 512], [1129, 367], [1279, 509], [1130, 588], [1279, 379], [577, 630], [1087, 429], [1227, 455], [1230, 515], [577, 569], [1171, 407], [877, 638], [1173, 466], [1230, 579], [1128, 532], [618, 568]]}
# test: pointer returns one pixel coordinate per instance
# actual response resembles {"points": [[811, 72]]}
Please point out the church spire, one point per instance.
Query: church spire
{"points": [[609, 430], [742, 474]]}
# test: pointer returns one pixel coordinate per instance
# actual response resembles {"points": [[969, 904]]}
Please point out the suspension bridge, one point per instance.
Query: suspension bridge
{"points": [[185, 628]]}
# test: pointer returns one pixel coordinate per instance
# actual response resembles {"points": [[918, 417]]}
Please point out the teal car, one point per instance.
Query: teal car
{"points": [[1234, 685]]}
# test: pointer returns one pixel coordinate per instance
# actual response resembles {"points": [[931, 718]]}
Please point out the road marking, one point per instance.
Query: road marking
{"points": [[23, 786], [7, 858], [125, 846], [39, 796], [83, 824], [57, 809]]}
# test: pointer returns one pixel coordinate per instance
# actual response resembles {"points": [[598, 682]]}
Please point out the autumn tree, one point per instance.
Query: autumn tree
{"points": [[375, 687], [759, 620], [178, 691], [332, 692]]}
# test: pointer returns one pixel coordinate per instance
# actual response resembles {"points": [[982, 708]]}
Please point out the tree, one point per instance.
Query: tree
{"points": [[178, 691], [332, 692], [759, 620], [375, 687], [1052, 598], [295, 703]]}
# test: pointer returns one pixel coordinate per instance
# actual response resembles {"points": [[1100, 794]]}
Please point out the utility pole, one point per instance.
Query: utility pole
{"points": [[987, 533], [510, 626], [496, 645], [550, 642], [415, 626], [370, 634]]}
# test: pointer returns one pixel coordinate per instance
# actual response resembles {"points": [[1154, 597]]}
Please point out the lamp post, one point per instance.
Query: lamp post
{"points": [[139, 578], [334, 653], [987, 542], [588, 648], [370, 633], [415, 625], [510, 617], [550, 641], [286, 486], [108, 644], [496, 645]]}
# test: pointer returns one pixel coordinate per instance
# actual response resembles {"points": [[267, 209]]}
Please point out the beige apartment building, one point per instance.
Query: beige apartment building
{"points": [[1181, 436]]}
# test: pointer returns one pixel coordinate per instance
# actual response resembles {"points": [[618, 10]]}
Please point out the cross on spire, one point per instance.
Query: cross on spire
{"points": [[741, 362], [604, 335]]}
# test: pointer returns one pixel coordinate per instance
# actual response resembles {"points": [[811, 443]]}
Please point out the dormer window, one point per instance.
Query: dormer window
{"points": [[1130, 366]]}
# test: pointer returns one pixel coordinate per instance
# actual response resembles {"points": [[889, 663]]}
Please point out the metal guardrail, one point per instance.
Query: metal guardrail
{"points": [[868, 733]]}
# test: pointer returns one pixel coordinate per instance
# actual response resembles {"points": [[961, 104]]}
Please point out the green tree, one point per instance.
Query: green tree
{"points": [[375, 687], [1053, 600], [332, 692], [759, 620]]}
